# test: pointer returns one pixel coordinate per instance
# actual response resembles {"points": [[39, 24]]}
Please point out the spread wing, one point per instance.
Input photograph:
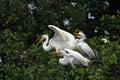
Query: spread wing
{"points": [[63, 35]]}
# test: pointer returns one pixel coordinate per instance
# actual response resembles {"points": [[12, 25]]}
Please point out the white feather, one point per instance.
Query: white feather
{"points": [[83, 47], [59, 41], [73, 58], [78, 56]]}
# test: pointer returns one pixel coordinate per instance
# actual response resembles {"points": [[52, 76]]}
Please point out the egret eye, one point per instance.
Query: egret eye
{"points": [[43, 39], [59, 54], [67, 52]]}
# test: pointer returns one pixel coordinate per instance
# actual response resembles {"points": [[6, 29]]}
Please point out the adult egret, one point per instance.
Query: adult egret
{"points": [[59, 41], [72, 57], [82, 46]]}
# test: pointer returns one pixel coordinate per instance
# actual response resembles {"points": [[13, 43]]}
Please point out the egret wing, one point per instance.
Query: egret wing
{"points": [[86, 49], [62, 34]]}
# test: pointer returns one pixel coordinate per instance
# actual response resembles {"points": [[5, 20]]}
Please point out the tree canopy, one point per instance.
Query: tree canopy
{"points": [[22, 22]]}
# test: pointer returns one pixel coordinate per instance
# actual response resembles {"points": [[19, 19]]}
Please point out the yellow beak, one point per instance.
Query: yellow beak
{"points": [[40, 41], [76, 35]]}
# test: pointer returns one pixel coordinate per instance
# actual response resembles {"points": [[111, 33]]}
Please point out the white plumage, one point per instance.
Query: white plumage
{"points": [[83, 47], [47, 43], [72, 57], [63, 39], [59, 41], [65, 42]]}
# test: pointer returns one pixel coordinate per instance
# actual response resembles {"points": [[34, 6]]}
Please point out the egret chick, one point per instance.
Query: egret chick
{"points": [[73, 58]]}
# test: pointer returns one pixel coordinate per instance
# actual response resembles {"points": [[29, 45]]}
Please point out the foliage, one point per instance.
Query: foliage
{"points": [[21, 27], [35, 63]]}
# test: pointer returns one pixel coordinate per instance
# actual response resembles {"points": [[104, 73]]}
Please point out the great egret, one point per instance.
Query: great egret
{"points": [[72, 57], [63, 39], [59, 41], [82, 46]]}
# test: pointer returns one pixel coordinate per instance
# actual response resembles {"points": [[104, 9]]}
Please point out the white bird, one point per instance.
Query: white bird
{"points": [[73, 58], [82, 46], [59, 41], [63, 39]]}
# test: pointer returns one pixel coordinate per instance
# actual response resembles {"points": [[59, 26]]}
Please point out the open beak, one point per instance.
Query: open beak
{"points": [[40, 41], [76, 35]]}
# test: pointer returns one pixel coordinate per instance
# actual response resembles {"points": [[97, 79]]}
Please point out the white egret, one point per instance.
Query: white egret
{"points": [[73, 58], [63, 39], [82, 46], [59, 41]]}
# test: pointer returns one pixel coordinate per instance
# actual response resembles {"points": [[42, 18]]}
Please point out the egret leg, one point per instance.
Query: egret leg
{"points": [[57, 52], [72, 64]]}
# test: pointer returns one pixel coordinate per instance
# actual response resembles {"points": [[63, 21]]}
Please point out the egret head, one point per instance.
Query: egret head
{"points": [[80, 34], [43, 37]]}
